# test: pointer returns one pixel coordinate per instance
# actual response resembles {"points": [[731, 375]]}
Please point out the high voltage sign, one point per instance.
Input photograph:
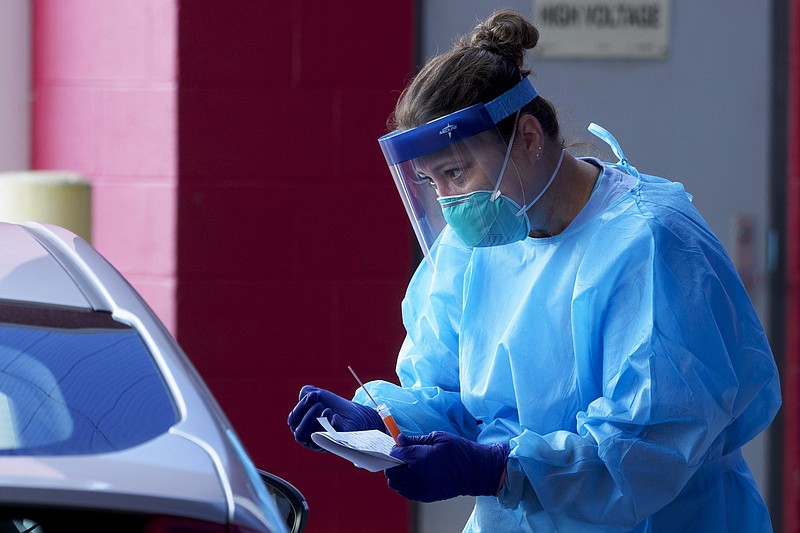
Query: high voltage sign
{"points": [[602, 30]]}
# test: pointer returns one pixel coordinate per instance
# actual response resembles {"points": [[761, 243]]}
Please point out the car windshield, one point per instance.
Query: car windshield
{"points": [[76, 382]]}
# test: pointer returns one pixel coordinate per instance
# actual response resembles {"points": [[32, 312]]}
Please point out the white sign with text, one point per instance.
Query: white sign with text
{"points": [[602, 29]]}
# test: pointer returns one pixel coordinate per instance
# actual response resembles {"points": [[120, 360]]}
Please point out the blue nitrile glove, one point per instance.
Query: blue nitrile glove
{"points": [[343, 415], [442, 466]]}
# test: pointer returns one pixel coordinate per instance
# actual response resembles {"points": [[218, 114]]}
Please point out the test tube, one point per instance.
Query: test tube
{"points": [[388, 420], [383, 410]]}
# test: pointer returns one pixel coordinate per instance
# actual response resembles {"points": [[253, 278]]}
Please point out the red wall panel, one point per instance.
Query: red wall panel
{"points": [[293, 247]]}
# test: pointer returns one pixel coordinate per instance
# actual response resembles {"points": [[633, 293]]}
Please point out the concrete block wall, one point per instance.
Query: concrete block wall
{"points": [[104, 105], [238, 183]]}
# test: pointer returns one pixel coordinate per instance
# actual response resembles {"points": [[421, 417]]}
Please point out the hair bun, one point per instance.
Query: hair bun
{"points": [[506, 33]]}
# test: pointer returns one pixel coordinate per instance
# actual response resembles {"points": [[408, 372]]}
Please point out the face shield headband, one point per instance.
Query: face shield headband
{"points": [[459, 132]]}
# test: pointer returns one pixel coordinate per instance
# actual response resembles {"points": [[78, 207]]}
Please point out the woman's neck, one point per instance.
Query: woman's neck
{"points": [[565, 198]]}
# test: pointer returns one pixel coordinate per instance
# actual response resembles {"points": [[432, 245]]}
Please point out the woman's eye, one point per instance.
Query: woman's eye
{"points": [[454, 174], [423, 180]]}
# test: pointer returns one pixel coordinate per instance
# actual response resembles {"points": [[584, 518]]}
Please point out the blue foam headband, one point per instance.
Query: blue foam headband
{"points": [[403, 145]]}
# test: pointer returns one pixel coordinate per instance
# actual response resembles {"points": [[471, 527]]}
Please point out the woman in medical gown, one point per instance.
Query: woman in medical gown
{"points": [[581, 354]]}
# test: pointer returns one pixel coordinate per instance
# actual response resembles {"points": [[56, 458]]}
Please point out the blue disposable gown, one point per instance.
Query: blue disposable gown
{"points": [[621, 359]]}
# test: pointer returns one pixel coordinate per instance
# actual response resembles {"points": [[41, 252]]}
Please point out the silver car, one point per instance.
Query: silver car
{"points": [[104, 423]]}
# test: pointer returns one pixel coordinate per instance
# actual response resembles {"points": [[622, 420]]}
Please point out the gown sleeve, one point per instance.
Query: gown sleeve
{"points": [[429, 396], [682, 371]]}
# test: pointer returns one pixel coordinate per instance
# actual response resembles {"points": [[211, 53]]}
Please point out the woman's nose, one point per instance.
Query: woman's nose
{"points": [[443, 188]]}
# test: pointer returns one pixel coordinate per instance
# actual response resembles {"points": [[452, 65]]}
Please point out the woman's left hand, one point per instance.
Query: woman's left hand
{"points": [[442, 466]]}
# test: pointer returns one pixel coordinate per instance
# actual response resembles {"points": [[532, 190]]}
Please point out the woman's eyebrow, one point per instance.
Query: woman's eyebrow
{"points": [[437, 168]]}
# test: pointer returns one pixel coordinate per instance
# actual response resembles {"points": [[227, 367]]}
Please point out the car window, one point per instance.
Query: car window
{"points": [[76, 382]]}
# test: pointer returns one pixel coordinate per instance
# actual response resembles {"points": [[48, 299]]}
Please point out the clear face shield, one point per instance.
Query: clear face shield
{"points": [[456, 170]]}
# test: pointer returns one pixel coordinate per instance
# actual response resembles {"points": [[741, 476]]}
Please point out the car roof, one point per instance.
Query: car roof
{"points": [[47, 264], [30, 272]]}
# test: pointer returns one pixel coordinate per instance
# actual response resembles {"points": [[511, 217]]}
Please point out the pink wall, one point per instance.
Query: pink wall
{"points": [[105, 95], [238, 184]]}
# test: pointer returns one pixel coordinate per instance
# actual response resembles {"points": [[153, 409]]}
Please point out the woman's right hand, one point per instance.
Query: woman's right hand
{"points": [[343, 415]]}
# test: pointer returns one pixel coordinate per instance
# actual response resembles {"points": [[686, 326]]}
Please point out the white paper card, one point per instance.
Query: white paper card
{"points": [[365, 449]]}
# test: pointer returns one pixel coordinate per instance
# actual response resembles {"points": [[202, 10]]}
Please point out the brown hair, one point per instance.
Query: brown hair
{"points": [[480, 67]]}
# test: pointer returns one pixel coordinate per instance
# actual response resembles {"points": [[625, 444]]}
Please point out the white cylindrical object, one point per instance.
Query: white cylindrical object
{"points": [[54, 197]]}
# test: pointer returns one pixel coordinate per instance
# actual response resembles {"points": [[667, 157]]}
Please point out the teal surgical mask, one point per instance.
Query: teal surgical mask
{"points": [[481, 220], [489, 218]]}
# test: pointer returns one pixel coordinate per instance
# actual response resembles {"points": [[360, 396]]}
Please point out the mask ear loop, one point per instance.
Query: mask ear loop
{"points": [[547, 186], [496, 191]]}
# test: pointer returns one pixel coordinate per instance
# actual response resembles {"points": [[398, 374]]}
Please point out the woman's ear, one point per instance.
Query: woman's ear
{"points": [[530, 133]]}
